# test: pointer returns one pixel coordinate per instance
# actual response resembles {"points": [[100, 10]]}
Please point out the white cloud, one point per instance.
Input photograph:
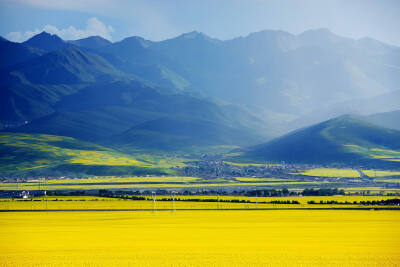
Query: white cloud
{"points": [[155, 20], [93, 27]]}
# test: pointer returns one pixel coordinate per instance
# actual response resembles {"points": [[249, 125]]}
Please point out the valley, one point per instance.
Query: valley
{"points": [[199, 133]]}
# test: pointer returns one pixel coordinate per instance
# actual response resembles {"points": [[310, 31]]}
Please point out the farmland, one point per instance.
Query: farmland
{"points": [[42, 153], [149, 182], [182, 202], [200, 238], [326, 172], [308, 179], [347, 173], [375, 153]]}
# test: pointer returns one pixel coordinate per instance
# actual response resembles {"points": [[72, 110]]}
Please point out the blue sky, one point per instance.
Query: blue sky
{"points": [[222, 19]]}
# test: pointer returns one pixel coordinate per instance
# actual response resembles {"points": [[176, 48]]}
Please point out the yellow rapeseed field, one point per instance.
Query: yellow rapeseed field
{"points": [[328, 172], [145, 179], [381, 189], [102, 158], [200, 238], [102, 203], [254, 179]]}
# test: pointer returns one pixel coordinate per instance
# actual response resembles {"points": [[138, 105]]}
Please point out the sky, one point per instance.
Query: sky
{"points": [[223, 19]]}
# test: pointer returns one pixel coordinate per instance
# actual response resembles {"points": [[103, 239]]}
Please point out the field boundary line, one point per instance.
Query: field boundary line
{"points": [[261, 209]]}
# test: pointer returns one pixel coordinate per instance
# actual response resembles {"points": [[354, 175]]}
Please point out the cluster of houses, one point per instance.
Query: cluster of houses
{"points": [[22, 194]]}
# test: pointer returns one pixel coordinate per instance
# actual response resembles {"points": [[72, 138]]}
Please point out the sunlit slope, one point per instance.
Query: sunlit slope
{"points": [[55, 155], [340, 140]]}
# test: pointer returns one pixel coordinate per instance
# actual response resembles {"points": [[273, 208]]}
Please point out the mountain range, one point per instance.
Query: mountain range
{"points": [[196, 93]]}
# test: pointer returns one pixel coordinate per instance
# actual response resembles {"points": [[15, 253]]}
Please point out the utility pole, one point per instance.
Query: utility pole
{"points": [[47, 199], [153, 196], [256, 199], [173, 195]]}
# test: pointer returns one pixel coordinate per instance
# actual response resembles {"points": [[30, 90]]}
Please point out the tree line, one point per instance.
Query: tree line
{"points": [[385, 202]]}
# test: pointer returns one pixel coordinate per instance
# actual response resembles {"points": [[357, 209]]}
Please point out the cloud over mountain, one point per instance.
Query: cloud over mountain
{"points": [[94, 27]]}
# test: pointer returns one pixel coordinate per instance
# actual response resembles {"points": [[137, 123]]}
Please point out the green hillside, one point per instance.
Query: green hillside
{"points": [[344, 140], [133, 111], [182, 134], [41, 154]]}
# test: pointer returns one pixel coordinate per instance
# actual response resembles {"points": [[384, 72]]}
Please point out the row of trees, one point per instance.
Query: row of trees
{"points": [[386, 202]]}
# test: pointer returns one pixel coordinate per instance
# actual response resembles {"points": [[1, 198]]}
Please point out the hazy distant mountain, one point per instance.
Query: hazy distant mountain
{"points": [[386, 119], [275, 69], [92, 42], [346, 140], [134, 49], [362, 106]]}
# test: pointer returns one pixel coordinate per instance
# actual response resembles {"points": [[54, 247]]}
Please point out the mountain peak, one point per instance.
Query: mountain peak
{"points": [[46, 41], [196, 35], [320, 36], [95, 38], [44, 35], [93, 42], [137, 40], [269, 32], [193, 34]]}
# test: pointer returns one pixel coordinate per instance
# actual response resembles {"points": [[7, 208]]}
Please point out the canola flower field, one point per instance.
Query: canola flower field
{"points": [[163, 202], [346, 173], [376, 153], [329, 172], [200, 238], [41, 151]]}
